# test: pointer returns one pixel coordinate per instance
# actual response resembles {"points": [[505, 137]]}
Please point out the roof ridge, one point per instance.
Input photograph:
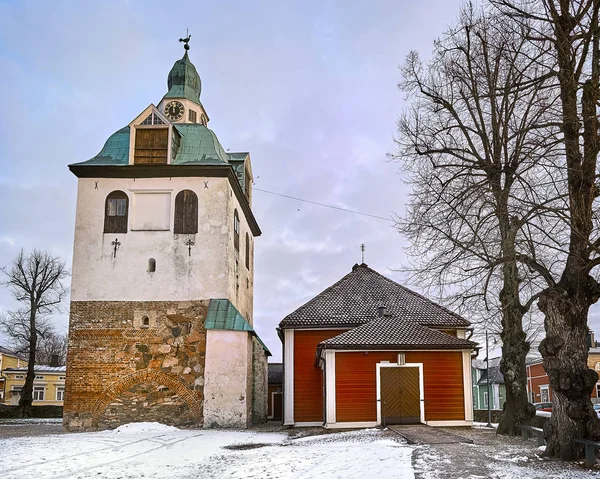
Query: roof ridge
{"points": [[410, 291]]}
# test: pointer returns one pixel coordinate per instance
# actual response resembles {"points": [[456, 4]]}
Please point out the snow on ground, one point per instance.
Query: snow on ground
{"points": [[151, 451]]}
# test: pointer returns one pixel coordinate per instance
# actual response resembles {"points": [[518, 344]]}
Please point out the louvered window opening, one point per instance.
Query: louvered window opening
{"points": [[192, 116], [151, 146], [115, 212], [186, 213]]}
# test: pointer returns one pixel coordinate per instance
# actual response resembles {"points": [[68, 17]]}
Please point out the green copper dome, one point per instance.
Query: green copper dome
{"points": [[183, 80]]}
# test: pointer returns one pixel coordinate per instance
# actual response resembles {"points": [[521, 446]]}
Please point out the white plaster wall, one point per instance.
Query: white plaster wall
{"points": [[227, 389], [98, 276], [242, 297]]}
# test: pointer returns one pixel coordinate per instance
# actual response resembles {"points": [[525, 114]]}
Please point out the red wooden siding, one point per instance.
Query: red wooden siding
{"points": [[536, 377], [308, 378], [356, 384], [443, 384]]}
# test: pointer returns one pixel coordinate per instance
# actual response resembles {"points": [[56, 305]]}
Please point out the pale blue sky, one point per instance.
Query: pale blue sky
{"points": [[308, 87]]}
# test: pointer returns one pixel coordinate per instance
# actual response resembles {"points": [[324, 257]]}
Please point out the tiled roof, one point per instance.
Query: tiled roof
{"points": [[40, 369], [482, 364], [394, 333], [275, 373], [496, 377], [354, 300]]}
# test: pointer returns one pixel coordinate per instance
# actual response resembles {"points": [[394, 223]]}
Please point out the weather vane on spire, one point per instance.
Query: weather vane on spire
{"points": [[186, 40]]}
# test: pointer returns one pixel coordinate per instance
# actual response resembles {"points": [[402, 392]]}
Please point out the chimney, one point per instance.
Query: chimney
{"points": [[54, 361], [380, 311]]}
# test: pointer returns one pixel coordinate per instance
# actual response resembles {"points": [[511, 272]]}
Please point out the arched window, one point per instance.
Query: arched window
{"points": [[236, 230], [115, 212], [145, 321], [186, 213], [151, 265], [247, 251]]}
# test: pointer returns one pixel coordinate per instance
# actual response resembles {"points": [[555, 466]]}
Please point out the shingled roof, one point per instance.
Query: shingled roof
{"points": [[354, 300], [393, 333], [275, 373]]}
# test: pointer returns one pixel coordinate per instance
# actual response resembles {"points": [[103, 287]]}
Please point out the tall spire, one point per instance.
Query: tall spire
{"points": [[183, 80]]}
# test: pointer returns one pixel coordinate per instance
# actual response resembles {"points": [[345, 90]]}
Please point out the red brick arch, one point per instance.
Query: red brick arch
{"points": [[145, 376]]}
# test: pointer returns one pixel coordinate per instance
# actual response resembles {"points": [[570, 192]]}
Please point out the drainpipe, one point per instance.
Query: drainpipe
{"points": [[487, 360], [322, 357]]}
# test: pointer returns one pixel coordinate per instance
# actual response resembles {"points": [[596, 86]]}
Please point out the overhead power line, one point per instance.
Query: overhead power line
{"points": [[323, 204]]}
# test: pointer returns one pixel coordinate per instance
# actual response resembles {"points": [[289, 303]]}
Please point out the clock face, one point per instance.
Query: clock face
{"points": [[174, 110]]}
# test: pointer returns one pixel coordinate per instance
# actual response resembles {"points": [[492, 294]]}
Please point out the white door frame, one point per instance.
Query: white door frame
{"points": [[421, 387]]}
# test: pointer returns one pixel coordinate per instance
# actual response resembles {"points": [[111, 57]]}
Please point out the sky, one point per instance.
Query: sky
{"points": [[309, 88]]}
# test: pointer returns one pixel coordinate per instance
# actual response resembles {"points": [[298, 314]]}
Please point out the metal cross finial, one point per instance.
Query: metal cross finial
{"points": [[116, 243], [362, 252], [189, 243], [186, 40]]}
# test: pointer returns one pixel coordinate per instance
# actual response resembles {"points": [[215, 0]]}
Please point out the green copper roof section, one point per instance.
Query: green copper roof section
{"points": [[183, 81], [114, 152], [199, 146], [224, 316]]}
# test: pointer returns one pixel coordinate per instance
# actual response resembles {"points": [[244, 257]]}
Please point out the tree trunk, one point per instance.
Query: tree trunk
{"points": [[565, 356], [26, 400], [517, 409]]}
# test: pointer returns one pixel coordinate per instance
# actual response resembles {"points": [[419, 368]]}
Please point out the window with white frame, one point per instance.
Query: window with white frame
{"points": [[19, 376], [38, 393], [544, 394], [61, 378], [60, 394], [485, 399], [39, 377]]}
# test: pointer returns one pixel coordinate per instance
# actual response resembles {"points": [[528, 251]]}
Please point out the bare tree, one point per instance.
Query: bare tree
{"points": [[474, 142], [36, 282], [52, 349], [572, 28]]}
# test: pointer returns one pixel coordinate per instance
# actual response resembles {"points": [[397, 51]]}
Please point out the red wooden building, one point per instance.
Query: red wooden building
{"points": [[538, 384], [368, 351]]}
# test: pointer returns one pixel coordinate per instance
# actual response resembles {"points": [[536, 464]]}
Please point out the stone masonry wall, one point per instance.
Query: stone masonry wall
{"points": [[135, 361], [259, 383]]}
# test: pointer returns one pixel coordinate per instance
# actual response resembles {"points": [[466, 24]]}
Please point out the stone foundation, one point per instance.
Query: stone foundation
{"points": [[135, 361]]}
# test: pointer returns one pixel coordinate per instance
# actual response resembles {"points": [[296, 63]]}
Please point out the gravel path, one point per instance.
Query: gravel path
{"points": [[29, 427], [492, 457]]}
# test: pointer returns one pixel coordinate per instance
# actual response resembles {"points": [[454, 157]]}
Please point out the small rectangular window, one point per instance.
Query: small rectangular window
{"points": [[39, 377], [192, 116]]}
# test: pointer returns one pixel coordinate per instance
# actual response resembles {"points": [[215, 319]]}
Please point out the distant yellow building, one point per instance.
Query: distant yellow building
{"points": [[8, 360], [48, 386]]}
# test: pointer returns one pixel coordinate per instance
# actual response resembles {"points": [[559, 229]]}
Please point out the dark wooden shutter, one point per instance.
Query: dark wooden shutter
{"points": [[186, 213], [236, 230], [247, 251], [151, 145], [116, 209]]}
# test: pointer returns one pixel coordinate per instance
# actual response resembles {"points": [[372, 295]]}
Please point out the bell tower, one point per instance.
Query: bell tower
{"points": [[163, 274]]}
